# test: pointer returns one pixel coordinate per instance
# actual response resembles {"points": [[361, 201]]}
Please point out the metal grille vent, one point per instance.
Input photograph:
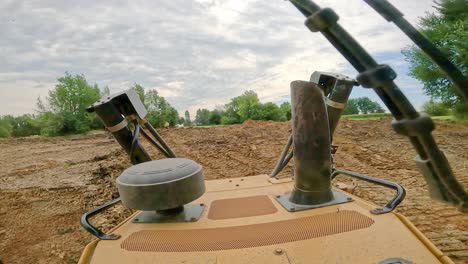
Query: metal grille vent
{"points": [[241, 207], [246, 236]]}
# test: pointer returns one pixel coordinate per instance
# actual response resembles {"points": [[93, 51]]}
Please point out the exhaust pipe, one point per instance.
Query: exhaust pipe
{"points": [[336, 88], [311, 141], [312, 151]]}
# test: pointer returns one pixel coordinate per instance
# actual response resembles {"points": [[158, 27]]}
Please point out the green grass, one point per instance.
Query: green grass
{"points": [[368, 116], [449, 119], [208, 126], [444, 118]]}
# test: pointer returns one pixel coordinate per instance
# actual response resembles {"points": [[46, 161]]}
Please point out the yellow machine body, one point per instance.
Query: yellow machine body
{"points": [[243, 223]]}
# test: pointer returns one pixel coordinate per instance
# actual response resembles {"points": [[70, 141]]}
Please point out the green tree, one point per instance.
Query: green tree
{"points": [[366, 106], [25, 125], [267, 111], [460, 111], [241, 108], [215, 117], [362, 105], [285, 109], [159, 110], [246, 104], [447, 28], [202, 117], [65, 109], [351, 107], [435, 108], [230, 117], [181, 121], [5, 128], [187, 121], [72, 94], [139, 90]]}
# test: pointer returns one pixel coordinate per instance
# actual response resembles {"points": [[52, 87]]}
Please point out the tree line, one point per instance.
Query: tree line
{"points": [[248, 106], [63, 110], [241, 108], [362, 105]]}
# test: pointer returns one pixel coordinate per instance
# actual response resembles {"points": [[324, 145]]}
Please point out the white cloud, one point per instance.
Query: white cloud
{"points": [[226, 11], [275, 82], [243, 59], [197, 54], [20, 91], [171, 89]]}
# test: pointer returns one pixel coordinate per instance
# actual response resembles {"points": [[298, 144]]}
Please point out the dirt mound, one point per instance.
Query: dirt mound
{"points": [[47, 183]]}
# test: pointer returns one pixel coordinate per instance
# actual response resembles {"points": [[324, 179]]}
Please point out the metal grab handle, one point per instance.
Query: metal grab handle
{"points": [[392, 204], [93, 230]]}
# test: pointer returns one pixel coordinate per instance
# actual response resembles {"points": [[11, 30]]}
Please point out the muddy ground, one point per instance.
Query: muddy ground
{"points": [[47, 183]]}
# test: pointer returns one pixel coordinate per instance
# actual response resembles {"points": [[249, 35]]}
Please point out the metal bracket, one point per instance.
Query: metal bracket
{"points": [[339, 198], [117, 127], [191, 213], [334, 104]]}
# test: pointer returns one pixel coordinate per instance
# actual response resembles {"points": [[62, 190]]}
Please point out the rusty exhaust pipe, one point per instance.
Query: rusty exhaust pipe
{"points": [[312, 151], [311, 141], [336, 88]]}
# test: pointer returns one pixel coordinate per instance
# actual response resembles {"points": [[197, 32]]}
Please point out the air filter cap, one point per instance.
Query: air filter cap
{"points": [[161, 184]]}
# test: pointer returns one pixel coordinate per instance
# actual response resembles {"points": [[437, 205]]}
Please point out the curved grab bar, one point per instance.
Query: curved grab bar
{"points": [[392, 204], [93, 230]]}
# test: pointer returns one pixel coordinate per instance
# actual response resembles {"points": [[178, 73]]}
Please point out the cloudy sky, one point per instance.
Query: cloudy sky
{"points": [[196, 53]]}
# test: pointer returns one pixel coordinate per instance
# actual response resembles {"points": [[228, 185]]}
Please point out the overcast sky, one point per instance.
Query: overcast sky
{"points": [[197, 54]]}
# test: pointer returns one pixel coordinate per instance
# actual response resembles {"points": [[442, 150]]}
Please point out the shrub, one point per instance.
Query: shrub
{"points": [[435, 109], [5, 128], [460, 111], [65, 112], [25, 125]]}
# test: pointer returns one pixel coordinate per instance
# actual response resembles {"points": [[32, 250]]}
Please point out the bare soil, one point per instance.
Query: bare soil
{"points": [[47, 183]]}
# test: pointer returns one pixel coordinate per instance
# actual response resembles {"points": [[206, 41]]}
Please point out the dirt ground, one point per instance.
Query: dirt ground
{"points": [[47, 183]]}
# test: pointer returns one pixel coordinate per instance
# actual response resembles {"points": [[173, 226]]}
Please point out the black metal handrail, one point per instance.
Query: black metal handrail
{"points": [[392, 204], [93, 230]]}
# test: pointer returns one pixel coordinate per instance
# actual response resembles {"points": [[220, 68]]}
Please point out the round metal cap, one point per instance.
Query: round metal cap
{"points": [[161, 184]]}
